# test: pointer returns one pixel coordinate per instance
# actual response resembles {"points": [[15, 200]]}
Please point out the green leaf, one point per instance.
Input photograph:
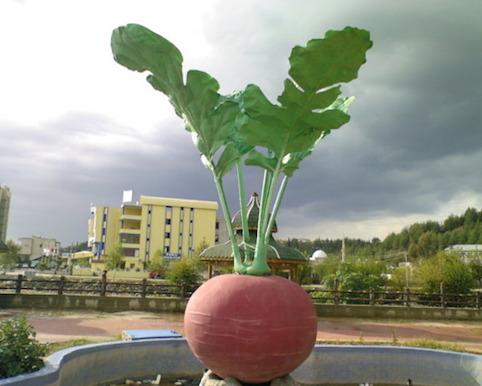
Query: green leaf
{"points": [[227, 160], [334, 59], [209, 116], [310, 105], [255, 158], [292, 96], [140, 49]]}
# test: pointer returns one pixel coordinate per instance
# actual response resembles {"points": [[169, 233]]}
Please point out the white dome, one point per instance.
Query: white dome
{"points": [[318, 255]]}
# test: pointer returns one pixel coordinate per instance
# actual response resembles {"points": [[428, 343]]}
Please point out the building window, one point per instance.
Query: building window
{"points": [[166, 249], [168, 221], [217, 224], [167, 235]]}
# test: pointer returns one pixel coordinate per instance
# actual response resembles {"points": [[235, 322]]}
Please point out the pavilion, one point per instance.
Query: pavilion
{"points": [[280, 258]]}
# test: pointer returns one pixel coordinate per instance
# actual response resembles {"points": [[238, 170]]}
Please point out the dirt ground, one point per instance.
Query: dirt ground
{"points": [[62, 326]]}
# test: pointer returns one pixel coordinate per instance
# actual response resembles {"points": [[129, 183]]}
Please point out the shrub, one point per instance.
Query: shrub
{"points": [[358, 275], [448, 269], [19, 351], [184, 272]]}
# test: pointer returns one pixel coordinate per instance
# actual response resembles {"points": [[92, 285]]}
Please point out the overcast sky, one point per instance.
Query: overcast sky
{"points": [[76, 128]]}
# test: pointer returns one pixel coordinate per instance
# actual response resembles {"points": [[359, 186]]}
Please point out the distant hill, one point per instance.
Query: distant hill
{"points": [[419, 239]]}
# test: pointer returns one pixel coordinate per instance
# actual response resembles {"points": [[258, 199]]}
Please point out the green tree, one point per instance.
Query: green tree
{"points": [[327, 267], [200, 248], [157, 264], [114, 260], [184, 272], [305, 273], [476, 268], [445, 268], [427, 244], [359, 275], [11, 257], [398, 278]]}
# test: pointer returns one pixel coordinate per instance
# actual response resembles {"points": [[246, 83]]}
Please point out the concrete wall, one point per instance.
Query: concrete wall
{"points": [[335, 365], [397, 312], [120, 303], [98, 303], [105, 363]]}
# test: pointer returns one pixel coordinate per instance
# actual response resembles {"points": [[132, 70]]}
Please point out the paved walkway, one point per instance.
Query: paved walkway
{"points": [[61, 326]]}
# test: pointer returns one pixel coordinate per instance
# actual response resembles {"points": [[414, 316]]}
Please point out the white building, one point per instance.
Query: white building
{"points": [[466, 251], [36, 246], [318, 256]]}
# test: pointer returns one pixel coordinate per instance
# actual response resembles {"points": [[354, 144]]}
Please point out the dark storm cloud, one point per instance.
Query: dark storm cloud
{"points": [[57, 169], [414, 141]]}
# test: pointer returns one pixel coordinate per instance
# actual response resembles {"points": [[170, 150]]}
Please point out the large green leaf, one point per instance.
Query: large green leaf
{"points": [[209, 116], [310, 105], [334, 59]]}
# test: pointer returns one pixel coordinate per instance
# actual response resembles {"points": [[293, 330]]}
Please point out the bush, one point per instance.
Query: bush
{"points": [[446, 268], [19, 351], [184, 272], [359, 275]]}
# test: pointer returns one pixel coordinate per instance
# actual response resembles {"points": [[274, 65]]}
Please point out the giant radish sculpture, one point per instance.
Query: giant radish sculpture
{"points": [[251, 325]]}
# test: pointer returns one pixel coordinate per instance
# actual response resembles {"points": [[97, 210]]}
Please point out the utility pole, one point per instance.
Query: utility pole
{"points": [[343, 250]]}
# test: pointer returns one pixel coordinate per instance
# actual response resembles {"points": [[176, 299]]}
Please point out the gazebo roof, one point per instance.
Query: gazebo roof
{"points": [[276, 252], [253, 214]]}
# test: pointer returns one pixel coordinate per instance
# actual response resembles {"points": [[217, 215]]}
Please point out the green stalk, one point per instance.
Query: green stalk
{"points": [[260, 265], [239, 267], [276, 206], [243, 208]]}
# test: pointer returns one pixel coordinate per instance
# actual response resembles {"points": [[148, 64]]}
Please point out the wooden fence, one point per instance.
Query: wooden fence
{"points": [[101, 287], [151, 288]]}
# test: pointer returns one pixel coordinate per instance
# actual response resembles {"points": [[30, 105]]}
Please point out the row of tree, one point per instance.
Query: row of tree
{"points": [[419, 239], [427, 274]]}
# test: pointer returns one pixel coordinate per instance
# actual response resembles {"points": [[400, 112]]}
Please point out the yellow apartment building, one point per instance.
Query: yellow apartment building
{"points": [[174, 226]]}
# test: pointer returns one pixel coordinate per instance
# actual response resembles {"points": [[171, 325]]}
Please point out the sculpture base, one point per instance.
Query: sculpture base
{"points": [[211, 379]]}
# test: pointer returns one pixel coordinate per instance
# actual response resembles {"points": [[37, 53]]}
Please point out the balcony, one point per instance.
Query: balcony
{"points": [[130, 246], [131, 217], [131, 231], [130, 224]]}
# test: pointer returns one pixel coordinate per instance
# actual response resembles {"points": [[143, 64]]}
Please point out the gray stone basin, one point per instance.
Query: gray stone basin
{"points": [[95, 364]]}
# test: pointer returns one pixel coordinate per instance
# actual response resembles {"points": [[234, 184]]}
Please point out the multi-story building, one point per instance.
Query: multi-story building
{"points": [[5, 196], [104, 225], [36, 246], [175, 227]]}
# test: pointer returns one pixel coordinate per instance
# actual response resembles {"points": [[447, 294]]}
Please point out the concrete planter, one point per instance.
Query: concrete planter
{"points": [[107, 362]]}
